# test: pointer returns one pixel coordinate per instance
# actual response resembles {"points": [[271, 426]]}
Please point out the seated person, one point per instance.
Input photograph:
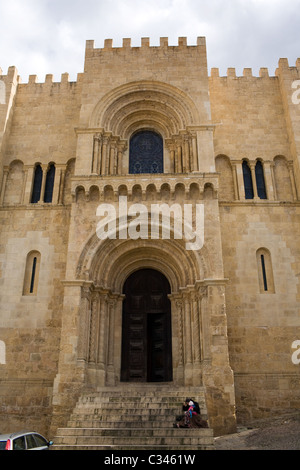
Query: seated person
{"points": [[192, 416]]}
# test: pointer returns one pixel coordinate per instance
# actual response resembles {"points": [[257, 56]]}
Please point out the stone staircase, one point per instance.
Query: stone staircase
{"points": [[138, 417]]}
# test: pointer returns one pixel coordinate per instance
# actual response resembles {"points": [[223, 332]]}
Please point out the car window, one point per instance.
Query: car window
{"points": [[2, 445], [31, 444], [40, 441], [19, 443]]}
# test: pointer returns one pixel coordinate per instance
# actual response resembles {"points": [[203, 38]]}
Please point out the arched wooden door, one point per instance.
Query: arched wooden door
{"points": [[146, 330]]}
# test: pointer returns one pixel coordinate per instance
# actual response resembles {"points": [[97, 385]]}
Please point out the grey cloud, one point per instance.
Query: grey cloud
{"points": [[48, 36]]}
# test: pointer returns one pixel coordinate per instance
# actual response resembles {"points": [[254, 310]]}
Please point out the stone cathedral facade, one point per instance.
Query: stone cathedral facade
{"points": [[142, 127]]}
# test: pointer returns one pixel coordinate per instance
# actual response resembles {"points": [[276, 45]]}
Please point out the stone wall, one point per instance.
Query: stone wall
{"points": [[30, 323], [254, 124]]}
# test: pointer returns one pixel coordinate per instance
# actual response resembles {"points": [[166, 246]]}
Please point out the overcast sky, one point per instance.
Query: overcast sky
{"points": [[48, 36]]}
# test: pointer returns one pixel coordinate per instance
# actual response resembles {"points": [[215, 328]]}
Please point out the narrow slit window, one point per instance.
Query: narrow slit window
{"points": [[31, 276], [265, 271], [263, 267]]}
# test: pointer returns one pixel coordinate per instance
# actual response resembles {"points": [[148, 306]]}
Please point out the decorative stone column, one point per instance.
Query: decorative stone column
{"points": [[253, 175], [110, 370], [3, 186], [240, 189], [235, 180], [104, 154], [97, 154], [195, 167], [187, 324], [269, 180], [292, 178], [71, 377]]}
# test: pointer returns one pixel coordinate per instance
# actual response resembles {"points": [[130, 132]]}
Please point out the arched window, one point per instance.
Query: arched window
{"points": [[260, 180], [37, 184], [146, 153], [31, 273], [14, 183], [248, 184], [283, 183], [226, 183], [49, 183], [265, 271]]}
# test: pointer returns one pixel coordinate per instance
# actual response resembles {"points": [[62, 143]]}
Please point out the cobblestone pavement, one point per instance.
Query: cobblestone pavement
{"points": [[272, 434]]}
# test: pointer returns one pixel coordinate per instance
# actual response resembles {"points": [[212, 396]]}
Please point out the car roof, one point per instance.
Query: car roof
{"points": [[15, 434]]}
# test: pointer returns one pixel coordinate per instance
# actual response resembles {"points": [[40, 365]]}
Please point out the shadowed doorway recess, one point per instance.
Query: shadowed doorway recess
{"points": [[146, 331]]}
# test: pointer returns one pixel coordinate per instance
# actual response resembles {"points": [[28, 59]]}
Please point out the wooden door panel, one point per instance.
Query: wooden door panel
{"points": [[134, 347], [158, 348]]}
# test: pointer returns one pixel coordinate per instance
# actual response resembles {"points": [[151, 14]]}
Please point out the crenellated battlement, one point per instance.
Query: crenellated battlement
{"points": [[182, 55], [283, 66], [145, 43], [247, 73], [64, 83], [49, 80], [34, 80]]}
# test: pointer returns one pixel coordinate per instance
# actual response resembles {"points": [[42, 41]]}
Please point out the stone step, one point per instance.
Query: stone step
{"points": [[132, 441], [124, 424], [133, 418], [126, 418], [149, 391], [145, 402], [146, 409], [131, 398], [135, 432], [132, 405], [143, 447]]}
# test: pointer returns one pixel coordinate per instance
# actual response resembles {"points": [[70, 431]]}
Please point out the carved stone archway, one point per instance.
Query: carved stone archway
{"points": [[107, 265]]}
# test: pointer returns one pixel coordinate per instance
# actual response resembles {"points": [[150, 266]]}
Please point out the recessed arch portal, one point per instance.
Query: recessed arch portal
{"points": [[103, 270], [109, 262]]}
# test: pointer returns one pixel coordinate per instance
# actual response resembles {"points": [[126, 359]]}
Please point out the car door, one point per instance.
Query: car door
{"points": [[30, 441], [19, 443], [36, 442], [41, 442]]}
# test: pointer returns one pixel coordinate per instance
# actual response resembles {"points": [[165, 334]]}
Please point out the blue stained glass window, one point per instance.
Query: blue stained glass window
{"points": [[49, 184], [260, 180], [37, 184], [146, 153], [249, 194]]}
